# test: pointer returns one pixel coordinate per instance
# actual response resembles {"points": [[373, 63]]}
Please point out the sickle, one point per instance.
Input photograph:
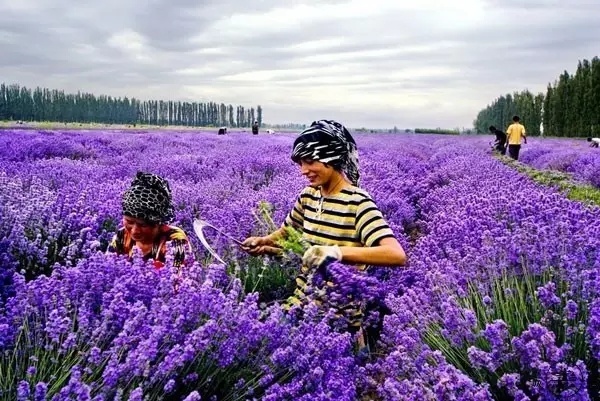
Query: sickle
{"points": [[200, 225]]}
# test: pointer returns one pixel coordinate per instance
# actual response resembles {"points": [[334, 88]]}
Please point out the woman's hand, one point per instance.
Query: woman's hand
{"points": [[256, 246], [316, 255]]}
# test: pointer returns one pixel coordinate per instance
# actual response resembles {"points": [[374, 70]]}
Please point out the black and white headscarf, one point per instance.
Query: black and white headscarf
{"points": [[149, 198], [329, 142]]}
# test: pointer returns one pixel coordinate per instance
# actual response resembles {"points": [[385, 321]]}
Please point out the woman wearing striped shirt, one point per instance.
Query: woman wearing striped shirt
{"points": [[337, 218]]}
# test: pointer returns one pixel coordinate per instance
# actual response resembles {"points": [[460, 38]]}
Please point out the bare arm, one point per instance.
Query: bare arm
{"points": [[388, 252]]}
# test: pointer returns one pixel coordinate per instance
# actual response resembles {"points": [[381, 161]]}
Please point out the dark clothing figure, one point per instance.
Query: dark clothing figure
{"points": [[500, 143], [255, 128], [513, 151]]}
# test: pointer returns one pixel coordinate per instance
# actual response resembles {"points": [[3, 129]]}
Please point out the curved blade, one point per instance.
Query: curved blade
{"points": [[200, 234], [199, 226]]}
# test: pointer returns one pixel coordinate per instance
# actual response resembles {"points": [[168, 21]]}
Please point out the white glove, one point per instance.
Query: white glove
{"points": [[317, 254]]}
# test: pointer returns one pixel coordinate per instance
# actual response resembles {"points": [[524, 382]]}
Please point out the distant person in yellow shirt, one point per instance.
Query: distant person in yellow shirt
{"points": [[514, 134]]}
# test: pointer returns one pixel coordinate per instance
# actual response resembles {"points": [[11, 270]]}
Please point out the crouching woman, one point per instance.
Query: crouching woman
{"points": [[147, 210]]}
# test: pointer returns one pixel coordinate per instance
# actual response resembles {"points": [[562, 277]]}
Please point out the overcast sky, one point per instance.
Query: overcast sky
{"points": [[372, 63]]}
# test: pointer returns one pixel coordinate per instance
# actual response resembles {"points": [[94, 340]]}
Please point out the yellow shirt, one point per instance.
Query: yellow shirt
{"points": [[515, 133]]}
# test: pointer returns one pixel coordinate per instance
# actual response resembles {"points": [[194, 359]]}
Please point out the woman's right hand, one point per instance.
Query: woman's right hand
{"points": [[260, 245]]}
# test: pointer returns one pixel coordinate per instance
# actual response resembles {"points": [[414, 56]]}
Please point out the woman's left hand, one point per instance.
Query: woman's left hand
{"points": [[316, 255]]}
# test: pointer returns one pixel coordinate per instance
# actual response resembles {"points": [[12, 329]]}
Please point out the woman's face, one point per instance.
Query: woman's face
{"points": [[140, 230], [317, 173]]}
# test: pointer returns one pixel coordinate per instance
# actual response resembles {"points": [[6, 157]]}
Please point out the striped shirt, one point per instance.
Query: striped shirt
{"points": [[348, 218]]}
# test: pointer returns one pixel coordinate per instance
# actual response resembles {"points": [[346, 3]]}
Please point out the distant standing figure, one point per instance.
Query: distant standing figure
{"points": [[255, 128], [594, 142], [514, 134], [500, 144]]}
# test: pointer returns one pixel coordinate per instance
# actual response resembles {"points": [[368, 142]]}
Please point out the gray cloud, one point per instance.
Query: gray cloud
{"points": [[378, 63]]}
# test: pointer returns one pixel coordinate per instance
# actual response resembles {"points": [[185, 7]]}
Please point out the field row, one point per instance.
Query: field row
{"points": [[499, 299]]}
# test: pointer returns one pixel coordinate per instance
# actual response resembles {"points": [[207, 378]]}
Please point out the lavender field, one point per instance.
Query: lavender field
{"points": [[499, 300], [574, 157]]}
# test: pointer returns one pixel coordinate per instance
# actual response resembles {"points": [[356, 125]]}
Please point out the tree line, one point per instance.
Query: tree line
{"points": [[569, 108], [20, 103], [437, 131]]}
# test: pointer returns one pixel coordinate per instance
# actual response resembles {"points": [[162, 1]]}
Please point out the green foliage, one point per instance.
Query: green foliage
{"points": [[567, 109], [51, 105], [263, 215], [436, 131], [499, 114], [52, 364], [272, 277], [293, 242], [259, 117]]}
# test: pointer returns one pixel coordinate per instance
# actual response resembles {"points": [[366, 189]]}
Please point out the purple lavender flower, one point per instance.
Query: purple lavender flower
{"points": [[193, 396], [511, 382], [547, 295], [571, 309], [23, 391], [41, 389], [170, 386], [124, 325], [136, 395]]}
